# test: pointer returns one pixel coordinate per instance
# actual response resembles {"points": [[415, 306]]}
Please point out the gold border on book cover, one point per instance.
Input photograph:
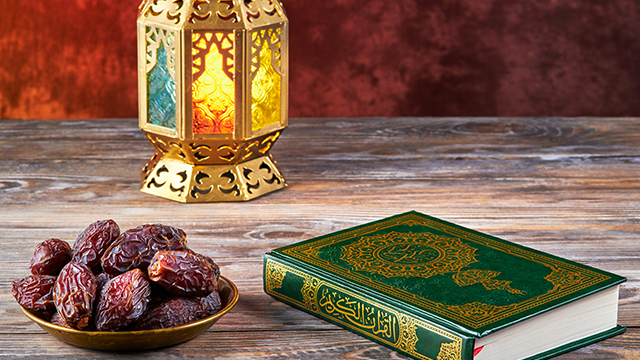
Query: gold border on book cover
{"points": [[359, 314], [566, 278]]}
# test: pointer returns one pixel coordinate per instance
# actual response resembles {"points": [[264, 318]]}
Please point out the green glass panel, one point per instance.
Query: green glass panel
{"points": [[161, 91]]}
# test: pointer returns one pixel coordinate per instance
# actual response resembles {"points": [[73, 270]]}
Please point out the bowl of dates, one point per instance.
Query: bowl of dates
{"points": [[140, 289]]}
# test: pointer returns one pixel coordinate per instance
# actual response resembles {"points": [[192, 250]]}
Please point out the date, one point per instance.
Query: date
{"points": [[209, 263], [94, 241], [101, 280], [183, 273], [104, 281], [35, 293], [172, 311], [135, 248], [211, 303], [123, 300], [74, 293], [49, 257], [178, 310], [56, 319]]}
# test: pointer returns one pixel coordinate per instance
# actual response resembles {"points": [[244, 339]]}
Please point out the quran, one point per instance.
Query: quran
{"points": [[434, 290]]}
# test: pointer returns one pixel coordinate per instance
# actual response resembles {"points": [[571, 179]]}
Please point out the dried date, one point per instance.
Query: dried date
{"points": [[101, 280], [49, 257], [211, 303], [123, 300], [35, 293], [183, 273], [56, 319], [209, 263], [74, 293], [121, 297], [94, 241], [136, 247], [172, 311]]}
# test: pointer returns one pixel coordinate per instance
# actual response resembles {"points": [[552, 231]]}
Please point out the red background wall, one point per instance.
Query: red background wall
{"points": [[77, 58]]}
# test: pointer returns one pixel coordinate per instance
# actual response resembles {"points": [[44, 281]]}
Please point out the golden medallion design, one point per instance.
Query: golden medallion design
{"points": [[408, 254]]}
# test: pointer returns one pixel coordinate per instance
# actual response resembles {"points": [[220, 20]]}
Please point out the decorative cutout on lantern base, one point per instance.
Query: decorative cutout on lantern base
{"points": [[176, 180]]}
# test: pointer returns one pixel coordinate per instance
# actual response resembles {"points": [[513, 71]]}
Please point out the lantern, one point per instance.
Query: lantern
{"points": [[213, 97]]}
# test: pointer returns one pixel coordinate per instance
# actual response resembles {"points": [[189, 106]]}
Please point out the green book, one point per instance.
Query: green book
{"points": [[433, 290]]}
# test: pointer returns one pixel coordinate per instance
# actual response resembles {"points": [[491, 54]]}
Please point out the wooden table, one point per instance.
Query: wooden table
{"points": [[567, 186]]}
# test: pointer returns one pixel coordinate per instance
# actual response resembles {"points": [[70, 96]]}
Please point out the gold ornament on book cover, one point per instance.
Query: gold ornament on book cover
{"points": [[361, 314], [408, 254], [420, 255]]}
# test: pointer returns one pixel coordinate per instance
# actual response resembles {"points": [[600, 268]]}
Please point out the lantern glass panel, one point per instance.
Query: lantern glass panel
{"points": [[266, 78], [213, 89], [161, 85]]}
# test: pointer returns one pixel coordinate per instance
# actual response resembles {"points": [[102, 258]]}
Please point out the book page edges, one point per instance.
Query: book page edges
{"points": [[580, 319], [579, 343]]}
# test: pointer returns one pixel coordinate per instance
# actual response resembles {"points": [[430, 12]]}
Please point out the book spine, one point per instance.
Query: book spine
{"points": [[372, 319]]}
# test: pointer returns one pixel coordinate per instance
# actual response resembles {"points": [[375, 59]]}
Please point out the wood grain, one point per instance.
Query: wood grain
{"points": [[567, 186]]}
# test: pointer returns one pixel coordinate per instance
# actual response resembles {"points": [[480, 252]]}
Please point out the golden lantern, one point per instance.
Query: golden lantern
{"points": [[213, 97]]}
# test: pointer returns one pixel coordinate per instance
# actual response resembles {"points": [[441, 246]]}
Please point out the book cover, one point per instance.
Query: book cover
{"points": [[428, 288]]}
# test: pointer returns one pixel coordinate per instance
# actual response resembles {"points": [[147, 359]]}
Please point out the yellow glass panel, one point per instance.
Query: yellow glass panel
{"points": [[213, 88], [265, 86]]}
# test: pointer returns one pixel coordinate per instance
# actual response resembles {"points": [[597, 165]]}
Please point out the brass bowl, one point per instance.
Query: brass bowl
{"points": [[142, 339]]}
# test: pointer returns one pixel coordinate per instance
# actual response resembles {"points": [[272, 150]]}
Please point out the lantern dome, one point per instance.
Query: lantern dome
{"points": [[212, 14]]}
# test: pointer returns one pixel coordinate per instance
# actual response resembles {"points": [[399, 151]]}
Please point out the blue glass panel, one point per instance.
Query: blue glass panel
{"points": [[161, 93]]}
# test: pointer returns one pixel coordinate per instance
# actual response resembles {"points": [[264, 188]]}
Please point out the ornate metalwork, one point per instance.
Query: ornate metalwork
{"points": [[266, 42], [231, 14], [206, 152], [218, 100], [266, 7], [184, 182], [170, 9], [202, 42], [155, 37], [200, 13]]}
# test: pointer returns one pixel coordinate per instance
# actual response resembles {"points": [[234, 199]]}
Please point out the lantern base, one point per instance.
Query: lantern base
{"points": [[176, 180]]}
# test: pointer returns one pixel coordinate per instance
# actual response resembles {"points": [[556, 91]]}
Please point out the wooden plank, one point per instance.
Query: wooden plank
{"points": [[326, 344], [570, 187]]}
